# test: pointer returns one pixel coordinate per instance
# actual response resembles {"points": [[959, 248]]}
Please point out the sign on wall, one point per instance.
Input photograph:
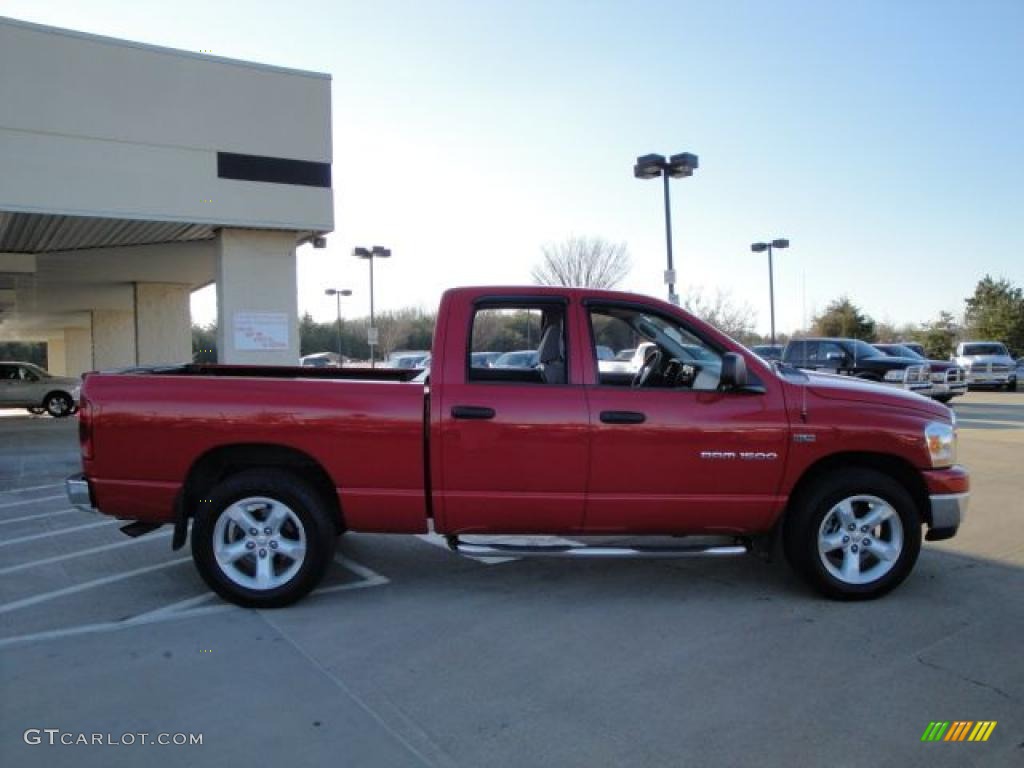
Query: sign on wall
{"points": [[259, 331]]}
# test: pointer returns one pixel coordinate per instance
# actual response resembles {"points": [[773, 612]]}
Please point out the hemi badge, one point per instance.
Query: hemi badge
{"points": [[803, 437]]}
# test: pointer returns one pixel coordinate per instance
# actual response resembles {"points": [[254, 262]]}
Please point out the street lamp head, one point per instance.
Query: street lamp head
{"points": [[380, 252], [338, 292], [682, 165], [780, 243], [362, 253], [649, 166], [759, 247]]}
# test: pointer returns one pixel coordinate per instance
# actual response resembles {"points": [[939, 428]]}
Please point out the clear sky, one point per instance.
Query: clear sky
{"points": [[884, 139]]}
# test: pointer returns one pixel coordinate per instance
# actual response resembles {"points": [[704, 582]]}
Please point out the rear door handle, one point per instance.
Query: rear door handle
{"points": [[472, 412], [623, 417]]}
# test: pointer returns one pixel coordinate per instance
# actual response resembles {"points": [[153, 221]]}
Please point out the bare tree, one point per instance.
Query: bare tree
{"points": [[735, 320], [583, 262]]}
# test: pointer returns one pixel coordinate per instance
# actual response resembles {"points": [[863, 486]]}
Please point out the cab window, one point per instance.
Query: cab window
{"points": [[666, 354], [519, 343]]}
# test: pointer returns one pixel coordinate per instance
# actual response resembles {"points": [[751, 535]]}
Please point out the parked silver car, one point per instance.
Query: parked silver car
{"points": [[24, 385]]}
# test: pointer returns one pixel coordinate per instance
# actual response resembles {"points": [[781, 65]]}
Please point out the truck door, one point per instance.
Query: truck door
{"points": [[513, 429], [670, 453]]}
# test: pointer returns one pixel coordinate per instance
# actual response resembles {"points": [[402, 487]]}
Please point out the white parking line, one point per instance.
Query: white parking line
{"points": [[26, 518], [32, 488], [178, 610], [47, 596], [58, 532], [82, 553], [32, 501], [370, 578]]}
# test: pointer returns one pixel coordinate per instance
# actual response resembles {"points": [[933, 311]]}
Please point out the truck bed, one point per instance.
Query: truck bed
{"points": [[364, 427]]}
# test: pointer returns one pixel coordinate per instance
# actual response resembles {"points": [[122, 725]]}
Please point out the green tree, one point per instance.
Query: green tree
{"points": [[204, 343], [996, 312], [939, 336], [24, 352], [843, 318]]}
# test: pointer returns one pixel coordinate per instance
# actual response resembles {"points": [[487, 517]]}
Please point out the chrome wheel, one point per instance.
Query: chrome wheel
{"points": [[259, 543], [58, 405], [860, 539]]}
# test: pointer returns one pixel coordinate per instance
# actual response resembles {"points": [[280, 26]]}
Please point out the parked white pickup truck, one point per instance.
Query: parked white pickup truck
{"points": [[988, 364], [24, 385]]}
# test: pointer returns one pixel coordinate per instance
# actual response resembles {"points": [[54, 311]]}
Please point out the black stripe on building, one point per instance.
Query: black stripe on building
{"points": [[276, 170]]}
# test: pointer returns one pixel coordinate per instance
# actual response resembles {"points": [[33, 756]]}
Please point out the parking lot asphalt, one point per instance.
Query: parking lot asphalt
{"points": [[410, 655]]}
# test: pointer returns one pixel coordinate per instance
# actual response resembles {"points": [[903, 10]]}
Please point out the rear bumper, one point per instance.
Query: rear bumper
{"points": [[79, 493]]}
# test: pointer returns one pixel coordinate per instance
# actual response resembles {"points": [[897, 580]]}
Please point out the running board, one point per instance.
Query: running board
{"points": [[514, 550]]}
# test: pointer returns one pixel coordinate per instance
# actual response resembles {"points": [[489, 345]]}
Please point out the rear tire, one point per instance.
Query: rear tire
{"points": [[264, 539], [59, 404], [865, 561], [944, 399]]}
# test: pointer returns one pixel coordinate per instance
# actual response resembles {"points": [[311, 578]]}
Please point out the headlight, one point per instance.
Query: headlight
{"points": [[940, 439], [894, 375]]}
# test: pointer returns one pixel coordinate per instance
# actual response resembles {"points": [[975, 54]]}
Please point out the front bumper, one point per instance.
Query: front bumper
{"points": [[948, 493], [79, 493], [985, 378], [948, 512]]}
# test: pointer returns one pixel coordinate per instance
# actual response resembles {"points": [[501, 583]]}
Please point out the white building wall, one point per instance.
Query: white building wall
{"points": [[95, 126]]}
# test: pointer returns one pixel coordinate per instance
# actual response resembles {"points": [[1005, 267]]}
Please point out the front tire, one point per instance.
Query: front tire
{"points": [[264, 539], [854, 534]]}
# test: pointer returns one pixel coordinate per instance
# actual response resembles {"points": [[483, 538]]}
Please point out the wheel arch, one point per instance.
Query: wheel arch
{"points": [[223, 461], [896, 467]]}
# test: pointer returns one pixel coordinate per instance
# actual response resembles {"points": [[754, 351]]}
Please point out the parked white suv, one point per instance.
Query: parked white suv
{"points": [[24, 385], [988, 364]]}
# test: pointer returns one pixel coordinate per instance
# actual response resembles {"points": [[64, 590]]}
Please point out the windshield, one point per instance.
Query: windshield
{"points": [[984, 349], [863, 349], [899, 350], [37, 371]]}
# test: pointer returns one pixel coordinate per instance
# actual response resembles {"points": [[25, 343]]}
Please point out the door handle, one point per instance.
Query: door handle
{"points": [[623, 417], [472, 412]]}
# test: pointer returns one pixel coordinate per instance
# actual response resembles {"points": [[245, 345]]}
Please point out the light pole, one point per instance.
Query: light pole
{"points": [[676, 167], [761, 248], [338, 293], [377, 252]]}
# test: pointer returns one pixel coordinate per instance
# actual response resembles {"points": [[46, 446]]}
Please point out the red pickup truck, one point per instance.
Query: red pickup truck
{"points": [[702, 439]]}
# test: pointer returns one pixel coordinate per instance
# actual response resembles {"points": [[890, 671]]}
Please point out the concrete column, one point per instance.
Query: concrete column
{"points": [[113, 338], [163, 323], [56, 355], [257, 301], [69, 352], [77, 351]]}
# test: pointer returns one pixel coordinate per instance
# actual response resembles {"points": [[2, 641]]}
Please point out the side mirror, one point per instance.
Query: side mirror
{"points": [[734, 371]]}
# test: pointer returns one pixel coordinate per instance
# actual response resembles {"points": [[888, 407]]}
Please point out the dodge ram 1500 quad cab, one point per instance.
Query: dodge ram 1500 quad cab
{"points": [[705, 438]]}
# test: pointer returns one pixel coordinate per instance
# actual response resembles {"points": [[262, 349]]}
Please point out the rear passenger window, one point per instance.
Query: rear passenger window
{"points": [[518, 343]]}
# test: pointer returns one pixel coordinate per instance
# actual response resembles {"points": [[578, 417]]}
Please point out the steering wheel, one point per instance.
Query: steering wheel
{"points": [[651, 363]]}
